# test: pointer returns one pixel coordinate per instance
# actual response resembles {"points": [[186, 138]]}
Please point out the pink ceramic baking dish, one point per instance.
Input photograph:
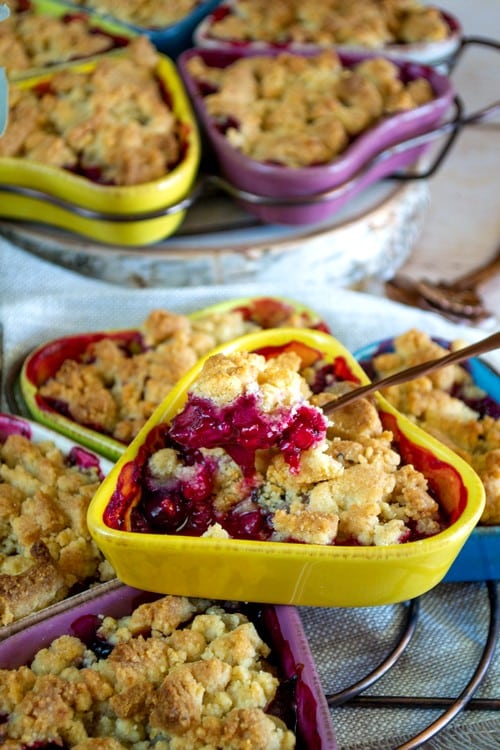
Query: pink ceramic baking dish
{"points": [[282, 195], [281, 629]]}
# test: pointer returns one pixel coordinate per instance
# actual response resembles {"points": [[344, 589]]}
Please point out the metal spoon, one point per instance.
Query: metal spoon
{"points": [[480, 347]]}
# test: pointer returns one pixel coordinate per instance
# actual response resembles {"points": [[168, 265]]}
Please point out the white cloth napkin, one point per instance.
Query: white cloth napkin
{"points": [[40, 300]]}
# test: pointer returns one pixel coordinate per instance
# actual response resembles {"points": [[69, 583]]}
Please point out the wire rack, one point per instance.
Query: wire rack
{"points": [[408, 617]]}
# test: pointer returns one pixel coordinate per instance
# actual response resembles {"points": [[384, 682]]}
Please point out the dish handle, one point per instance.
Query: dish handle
{"points": [[455, 126]]}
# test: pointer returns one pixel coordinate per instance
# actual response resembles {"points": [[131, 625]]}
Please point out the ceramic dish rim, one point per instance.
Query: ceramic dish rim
{"points": [[445, 47], [301, 181], [57, 181], [386, 553], [108, 446]]}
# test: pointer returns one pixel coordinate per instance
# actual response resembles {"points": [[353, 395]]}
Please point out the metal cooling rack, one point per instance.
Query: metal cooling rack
{"points": [[353, 695]]}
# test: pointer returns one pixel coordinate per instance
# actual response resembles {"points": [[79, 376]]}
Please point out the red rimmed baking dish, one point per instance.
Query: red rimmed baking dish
{"points": [[294, 196], [45, 361]]}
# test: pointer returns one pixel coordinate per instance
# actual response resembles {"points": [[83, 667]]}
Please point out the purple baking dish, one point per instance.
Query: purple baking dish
{"points": [[282, 195], [427, 53], [282, 630]]}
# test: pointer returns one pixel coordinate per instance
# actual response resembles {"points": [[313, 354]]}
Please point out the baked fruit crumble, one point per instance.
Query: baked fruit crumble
{"points": [[30, 39], [115, 383], [251, 455], [112, 124], [300, 111], [365, 23], [448, 405], [146, 13], [46, 551], [176, 674]]}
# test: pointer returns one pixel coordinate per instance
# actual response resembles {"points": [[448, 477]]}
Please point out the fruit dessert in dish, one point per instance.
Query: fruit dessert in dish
{"points": [[132, 670], [252, 456], [111, 124], [299, 111], [107, 148], [36, 36], [169, 24], [151, 14], [109, 383], [448, 403], [369, 23], [46, 551], [241, 459], [297, 135], [395, 27]]}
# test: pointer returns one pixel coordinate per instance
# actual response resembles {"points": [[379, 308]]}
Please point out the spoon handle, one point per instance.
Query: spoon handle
{"points": [[480, 347], [477, 276]]}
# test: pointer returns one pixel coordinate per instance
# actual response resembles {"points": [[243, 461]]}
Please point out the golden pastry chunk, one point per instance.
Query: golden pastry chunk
{"points": [[203, 681], [438, 403], [299, 111], [45, 546]]}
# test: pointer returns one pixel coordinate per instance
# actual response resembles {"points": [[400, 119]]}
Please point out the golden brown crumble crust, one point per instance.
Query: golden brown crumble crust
{"points": [[349, 487], [147, 13], [299, 111], [112, 120], [182, 674], [367, 23], [428, 401], [45, 547], [30, 40]]}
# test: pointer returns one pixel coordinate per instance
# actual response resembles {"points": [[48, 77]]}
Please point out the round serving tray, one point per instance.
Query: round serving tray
{"points": [[219, 243]]}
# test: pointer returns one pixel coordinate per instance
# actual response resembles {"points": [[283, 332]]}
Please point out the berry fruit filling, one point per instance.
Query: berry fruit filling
{"points": [[110, 382], [251, 455], [242, 429]]}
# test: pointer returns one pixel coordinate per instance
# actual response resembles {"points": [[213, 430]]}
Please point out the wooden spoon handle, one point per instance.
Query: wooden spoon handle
{"points": [[480, 347]]}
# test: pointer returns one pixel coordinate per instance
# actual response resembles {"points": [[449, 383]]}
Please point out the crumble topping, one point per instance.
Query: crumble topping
{"points": [[176, 674], [147, 13], [448, 405], [300, 111], [236, 463], [111, 124], [115, 390], [45, 547], [29, 39], [368, 23]]}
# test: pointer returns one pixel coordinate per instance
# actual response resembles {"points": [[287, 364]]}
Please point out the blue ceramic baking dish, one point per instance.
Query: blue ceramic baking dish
{"points": [[171, 40], [479, 559]]}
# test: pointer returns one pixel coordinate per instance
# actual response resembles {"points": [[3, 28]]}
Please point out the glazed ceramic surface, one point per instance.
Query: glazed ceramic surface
{"points": [[288, 573], [294, 196]]}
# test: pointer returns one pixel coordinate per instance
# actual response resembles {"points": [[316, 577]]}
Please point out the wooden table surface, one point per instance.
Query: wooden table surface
{"points": [[462, 229]]}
